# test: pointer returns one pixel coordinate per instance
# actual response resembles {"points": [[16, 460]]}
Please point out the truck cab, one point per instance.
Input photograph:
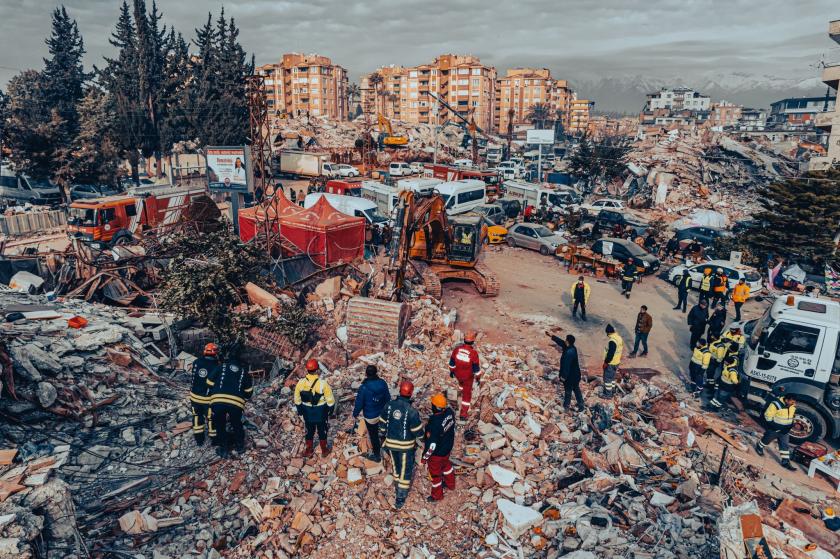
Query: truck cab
{"points": [[104, 220], [796, 345]]}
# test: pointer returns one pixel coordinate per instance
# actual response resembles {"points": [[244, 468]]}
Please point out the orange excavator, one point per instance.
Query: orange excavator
{"points": [[387, 137]]}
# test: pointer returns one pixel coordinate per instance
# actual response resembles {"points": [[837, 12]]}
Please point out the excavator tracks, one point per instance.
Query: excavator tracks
{"points": [[491, 281], [485, 281]]}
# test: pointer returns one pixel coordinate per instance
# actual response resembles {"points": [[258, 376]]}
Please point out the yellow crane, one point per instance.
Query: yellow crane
{"points": [[389, 139]]}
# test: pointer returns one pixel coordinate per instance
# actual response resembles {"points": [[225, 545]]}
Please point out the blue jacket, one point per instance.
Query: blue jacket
{"points": [[372, 398]]}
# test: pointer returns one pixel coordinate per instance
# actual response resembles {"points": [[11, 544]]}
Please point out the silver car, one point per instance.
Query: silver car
{"points": [[536, 237]]}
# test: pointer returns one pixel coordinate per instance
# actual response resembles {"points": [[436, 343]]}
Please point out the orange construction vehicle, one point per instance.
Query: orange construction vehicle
{"points": [[116, 220]]}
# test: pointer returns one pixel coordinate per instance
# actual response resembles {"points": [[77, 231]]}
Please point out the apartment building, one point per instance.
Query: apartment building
{"points": [[579, 114], [305, 84], [678, 99], [800, 112], [725, 115], [830, 121], [523, 88], [752, 119], [406, 93]]}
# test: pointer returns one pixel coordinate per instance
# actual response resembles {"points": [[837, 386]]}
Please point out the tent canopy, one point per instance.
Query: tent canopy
{"points": [[326, 235], [251, 218]]}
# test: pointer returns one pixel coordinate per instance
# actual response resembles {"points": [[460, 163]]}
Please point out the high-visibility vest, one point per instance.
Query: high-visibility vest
{"points": [[718, 349], [740, 293], [619, 345], [706, 283], [701, 356], [730, 375], [779, 414], [724, 284], [734, 338]]}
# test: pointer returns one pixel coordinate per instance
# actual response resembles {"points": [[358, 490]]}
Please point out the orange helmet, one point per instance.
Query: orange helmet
{"points": [[406, 388], [469, 337], [312, 365], [211, 350], [439, 401]]}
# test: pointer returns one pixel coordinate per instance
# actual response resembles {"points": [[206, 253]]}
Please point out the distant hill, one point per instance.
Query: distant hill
{"points": [[627, 94]]}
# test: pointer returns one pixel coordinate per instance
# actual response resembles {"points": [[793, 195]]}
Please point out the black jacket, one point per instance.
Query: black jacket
{"points": [[569, 364], [717, 321], [697, 318], [230, 384], [400, 424], [684, 283], [203, 368], [440, 434]]}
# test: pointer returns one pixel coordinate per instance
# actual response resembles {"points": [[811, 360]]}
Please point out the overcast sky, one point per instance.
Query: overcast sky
{"points": [[577, 40]]}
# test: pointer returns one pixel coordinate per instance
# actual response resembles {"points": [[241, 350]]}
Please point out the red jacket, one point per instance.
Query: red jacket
{"points": [[464, 362]]}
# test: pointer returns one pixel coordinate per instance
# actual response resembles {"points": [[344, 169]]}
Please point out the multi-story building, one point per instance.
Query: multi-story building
{"points": [[523, 88], [830, 120], [461, 81], [799, 112], [677, 99], [725, 115], [306, 84], [579, 116], [752, 119]]}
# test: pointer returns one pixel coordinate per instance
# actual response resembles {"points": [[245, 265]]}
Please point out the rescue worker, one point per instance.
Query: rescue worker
{"points": [[230, 386], [683, 285], [466, 368], [729, 381], [438, 440], [402, 432], [580, 295], [706, 285], [717, 321], [371, 398], [629, 272], [718, 349], [779, 417], [734, 335], [612, 359], [700, 359], [202, 369], [720, 285], [315, 404], [569, 370], [698, 317], [740, 293]]}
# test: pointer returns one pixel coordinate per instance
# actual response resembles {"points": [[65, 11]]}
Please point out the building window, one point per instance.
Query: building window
{"points": [[475, 82], [412, 74], [476, 71], [463, 71]]}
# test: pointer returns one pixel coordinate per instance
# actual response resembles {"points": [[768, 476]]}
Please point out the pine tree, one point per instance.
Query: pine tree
{"points": [[174, 125], [96, 156], [799, 218], [582, 162], [29, 136], [64, 75]]}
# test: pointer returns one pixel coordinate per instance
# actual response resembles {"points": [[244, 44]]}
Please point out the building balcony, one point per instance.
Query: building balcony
{"points": [[826, 121], [834, 30], [831, 75]]}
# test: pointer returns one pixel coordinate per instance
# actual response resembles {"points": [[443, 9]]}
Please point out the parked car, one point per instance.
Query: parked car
{"points": [[603, 204], [417, 167], [463, 163], [90, 191], [347, 170], [733, 271], [399, 169], [512, 207], [18, 189], [704, 235], [622, 250], [494, 213], [607, 219], [535, 237]]}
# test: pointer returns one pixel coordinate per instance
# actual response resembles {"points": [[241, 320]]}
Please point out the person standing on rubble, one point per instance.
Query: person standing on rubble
{"points": [[629, 272], [580, 295], [644, 324], [203, 369], [371, 398], [718, 349], [315, 404], [683, 285], [612, 359], [729, 381], [700, 359], [401, 432], [569, 371], [779, 416], [740, 294], [698, 317], [465, 367], [438, 440], [231, 386]]}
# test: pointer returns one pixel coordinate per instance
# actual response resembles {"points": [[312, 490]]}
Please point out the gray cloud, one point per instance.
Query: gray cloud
{"points": [[577, 40]]}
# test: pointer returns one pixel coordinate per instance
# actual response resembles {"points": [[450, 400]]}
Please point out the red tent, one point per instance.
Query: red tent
{"points": [[250, 219], [325, 234]]}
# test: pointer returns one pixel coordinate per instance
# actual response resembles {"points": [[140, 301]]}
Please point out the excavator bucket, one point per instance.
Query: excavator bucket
{"points": [[375, 323]]}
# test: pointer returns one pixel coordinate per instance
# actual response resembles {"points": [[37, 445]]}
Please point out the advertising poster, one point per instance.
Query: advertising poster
{"points": [[228, 168]]}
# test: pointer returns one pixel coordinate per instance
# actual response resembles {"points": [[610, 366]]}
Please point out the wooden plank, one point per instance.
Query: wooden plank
{"points": [[7, 455]]}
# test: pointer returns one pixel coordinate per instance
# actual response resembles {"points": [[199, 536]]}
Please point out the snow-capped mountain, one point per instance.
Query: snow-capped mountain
{"points": [[627, 93]]}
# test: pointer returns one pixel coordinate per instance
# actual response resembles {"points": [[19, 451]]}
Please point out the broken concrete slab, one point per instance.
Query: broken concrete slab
{"points": [[518, 519]]}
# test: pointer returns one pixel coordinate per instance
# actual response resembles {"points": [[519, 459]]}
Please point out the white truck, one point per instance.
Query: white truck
{"points": [[796, 345], [303, 163], [387, 197], [529, 193], [494, 154]]}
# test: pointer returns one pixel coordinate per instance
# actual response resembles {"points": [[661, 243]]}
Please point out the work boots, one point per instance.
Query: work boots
{"points": [[402, 494], [308, 451], [325, 450], [786, 463], [373, 457], [759, 449]]}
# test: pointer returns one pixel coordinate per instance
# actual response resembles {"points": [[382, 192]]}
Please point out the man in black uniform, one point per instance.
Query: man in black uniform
{"points": [[202, 369], [439, 439], [683, 285], [402, 430], [230, 387], [629, 272]]}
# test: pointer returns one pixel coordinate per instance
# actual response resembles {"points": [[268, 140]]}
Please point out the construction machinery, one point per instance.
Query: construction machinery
{"points": [[386, 134], [472, 128]]}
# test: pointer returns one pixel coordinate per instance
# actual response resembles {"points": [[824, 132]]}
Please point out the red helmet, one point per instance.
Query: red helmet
{"points": [[211, 349], [312, 365], [406, 388]]}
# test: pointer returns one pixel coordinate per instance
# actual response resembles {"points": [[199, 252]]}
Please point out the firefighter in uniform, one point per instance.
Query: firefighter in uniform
{"points": [[720, 285], [629, 273], [230, 387], [466, 368], [718, 348], [734, 335], [315, 403], [729, 381], [779, 417], [438, 439], [402, 430], [700, 359], [202, 369], [612, 359], [706, 285]]}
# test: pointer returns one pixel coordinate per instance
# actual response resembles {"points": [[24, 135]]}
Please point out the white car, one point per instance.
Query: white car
{"points": [[603, 204], [417, 167], [463, 163], [347, 171], [733, 273], [399, 169]]}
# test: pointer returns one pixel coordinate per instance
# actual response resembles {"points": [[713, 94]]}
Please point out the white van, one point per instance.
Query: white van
{"points": [[400, 169], [384, 196], [463, 195], [348, 205], [532, 194], [422, 185]]}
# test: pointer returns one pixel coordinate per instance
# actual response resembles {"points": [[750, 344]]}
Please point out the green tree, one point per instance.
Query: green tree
{"points": [[96, 157], [174, 122], [583, 163], [354, 92], [538, 115], [799, 218]]}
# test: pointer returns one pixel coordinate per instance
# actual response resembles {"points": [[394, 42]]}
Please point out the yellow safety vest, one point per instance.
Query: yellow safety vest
{"points": [[780, 414], [706, 283], [735, 338], [718, 349], [619, 346], [701, 356], [730, 375]]}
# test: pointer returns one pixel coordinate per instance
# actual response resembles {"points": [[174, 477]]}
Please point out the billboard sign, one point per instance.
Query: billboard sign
{"points": [[541, 137], [228, 168]]}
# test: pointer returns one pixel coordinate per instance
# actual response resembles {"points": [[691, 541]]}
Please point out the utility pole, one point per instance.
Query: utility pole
{"points": [[435, 112]]}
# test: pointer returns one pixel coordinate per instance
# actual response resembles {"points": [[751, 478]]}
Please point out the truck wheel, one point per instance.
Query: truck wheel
{"points": [[122, 240], [808, 425]]}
